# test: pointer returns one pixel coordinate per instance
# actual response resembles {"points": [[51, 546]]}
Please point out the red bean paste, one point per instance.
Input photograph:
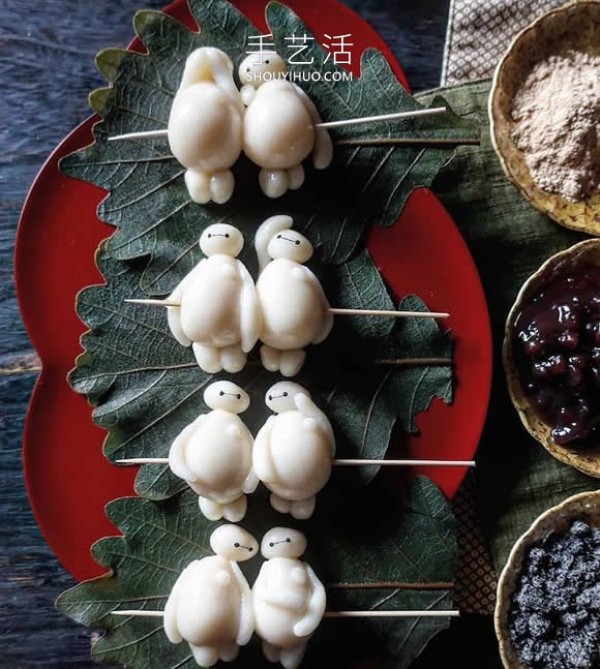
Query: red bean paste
{"points": [[557, 350]]}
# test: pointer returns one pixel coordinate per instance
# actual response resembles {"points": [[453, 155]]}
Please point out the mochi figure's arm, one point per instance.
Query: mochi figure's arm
{"points": [[170, 617], [247, 93], [250, 320], [177, 461], [270, 592], [323, 151], [222, 73], [315, 607], [310, 410], [174, 313], [327, 321], [246, 628], [262, 463], [251, 481]]}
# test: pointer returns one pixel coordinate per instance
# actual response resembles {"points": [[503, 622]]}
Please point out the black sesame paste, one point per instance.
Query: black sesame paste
{"points": [[554, 616]]}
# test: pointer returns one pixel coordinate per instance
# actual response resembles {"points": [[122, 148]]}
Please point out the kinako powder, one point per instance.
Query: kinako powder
{"points": [[556, 113]]}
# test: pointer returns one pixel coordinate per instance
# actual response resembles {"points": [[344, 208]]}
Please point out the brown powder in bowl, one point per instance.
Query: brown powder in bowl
{"points": [[557, 115]]}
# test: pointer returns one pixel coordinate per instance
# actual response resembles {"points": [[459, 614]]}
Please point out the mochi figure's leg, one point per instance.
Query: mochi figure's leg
{"points": [[207, 357], [205, 656], [274, 183], [271, 652], [233, 359], [198, 185], [295, 177], [292, 657], [236, 510], [270, 358], [229, 651], [212, 510], [303, 509], [222, 184], [280, 504], [291, 362]]}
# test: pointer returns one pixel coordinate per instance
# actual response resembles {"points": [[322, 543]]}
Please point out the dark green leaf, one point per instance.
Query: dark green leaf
{"points": [[146, 387], [148, 201], [404, 551]]}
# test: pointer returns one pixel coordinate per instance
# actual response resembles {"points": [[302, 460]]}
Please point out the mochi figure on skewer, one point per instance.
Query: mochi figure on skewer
{"points": [[210, 605], [288, 599], [280, 125], [218, 312], [294, 449], [205, 127], [214, 454], [293, 306]]}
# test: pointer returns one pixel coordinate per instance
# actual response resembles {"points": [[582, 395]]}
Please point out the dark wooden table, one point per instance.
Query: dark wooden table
{"points": [[47, 69]]}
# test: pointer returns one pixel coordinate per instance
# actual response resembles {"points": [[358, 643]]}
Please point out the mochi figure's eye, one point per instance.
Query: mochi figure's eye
{"points": [[289, 541], [227, 237], [267, 61], [236, 545], [270, 397], [285, 394], [221, 393], [271, 544]]}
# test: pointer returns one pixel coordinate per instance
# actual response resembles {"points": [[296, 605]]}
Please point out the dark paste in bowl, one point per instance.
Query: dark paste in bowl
{"points": [[551, 356], [556, 340]]}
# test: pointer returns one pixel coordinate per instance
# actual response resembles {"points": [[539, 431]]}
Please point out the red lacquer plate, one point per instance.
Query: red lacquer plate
{"points": [[68, 479]]}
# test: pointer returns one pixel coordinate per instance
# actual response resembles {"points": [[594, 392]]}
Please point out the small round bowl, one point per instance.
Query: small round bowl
{"points": [[572, 27], [587, 252], [586, 507]]}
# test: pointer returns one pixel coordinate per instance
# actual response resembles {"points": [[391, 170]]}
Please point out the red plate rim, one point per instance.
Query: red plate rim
{"points": [[472, 331]]}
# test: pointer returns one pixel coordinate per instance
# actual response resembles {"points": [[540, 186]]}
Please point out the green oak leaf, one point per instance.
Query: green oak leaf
{"points": [[146, 387], [408, 555], [148, 201]]}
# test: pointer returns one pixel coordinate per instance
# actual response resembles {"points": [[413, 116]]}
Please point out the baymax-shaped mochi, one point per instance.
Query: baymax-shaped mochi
{"points": [[219, 314], [294, 311], [288, 599], [214, 454], [293, 450], [205, 127], [210, 605], [279, 125]]}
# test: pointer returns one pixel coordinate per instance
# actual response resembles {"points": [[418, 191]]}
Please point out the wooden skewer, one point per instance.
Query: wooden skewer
{"points": [[336, 310], [453, 613], [339, 463], [403, 463], [383, 117], [383, 312], [163, 132], [410, 141]]}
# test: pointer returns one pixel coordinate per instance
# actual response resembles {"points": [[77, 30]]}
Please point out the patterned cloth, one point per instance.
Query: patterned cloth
{"points": [[475, 579], [479, 32]]}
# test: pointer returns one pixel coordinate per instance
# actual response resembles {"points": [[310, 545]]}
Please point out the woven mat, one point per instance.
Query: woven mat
{"points": [[515, 479], [479, 32]]}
